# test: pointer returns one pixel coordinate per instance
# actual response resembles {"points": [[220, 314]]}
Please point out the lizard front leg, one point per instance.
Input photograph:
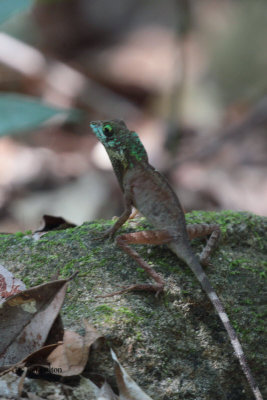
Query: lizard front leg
{"points": [[144, 237], [122, 219], [199, 230]]}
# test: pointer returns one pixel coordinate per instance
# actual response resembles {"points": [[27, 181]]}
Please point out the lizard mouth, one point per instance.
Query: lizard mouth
{"points": [[96, 127]]}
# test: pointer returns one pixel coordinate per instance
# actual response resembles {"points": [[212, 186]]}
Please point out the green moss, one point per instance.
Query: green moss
{"points": [[129, 314], [19, 234], [104, 309], [109, 314], [67, 269]]}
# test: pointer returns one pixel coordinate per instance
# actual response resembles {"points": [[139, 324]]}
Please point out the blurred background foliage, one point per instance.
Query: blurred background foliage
{"points": [[189, 77]]}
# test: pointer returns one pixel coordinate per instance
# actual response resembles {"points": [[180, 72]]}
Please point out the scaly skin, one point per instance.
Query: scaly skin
{"points": [[147, 190]]}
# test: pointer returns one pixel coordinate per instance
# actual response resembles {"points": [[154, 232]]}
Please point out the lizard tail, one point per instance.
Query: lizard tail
{"points": [[200, 274]]}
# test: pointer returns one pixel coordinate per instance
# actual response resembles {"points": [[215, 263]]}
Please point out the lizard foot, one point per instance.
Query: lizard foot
{"points": [[108, 234]]}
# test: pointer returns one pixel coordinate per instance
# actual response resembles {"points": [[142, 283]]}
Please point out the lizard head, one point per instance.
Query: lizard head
{"points": [[121, 144]]}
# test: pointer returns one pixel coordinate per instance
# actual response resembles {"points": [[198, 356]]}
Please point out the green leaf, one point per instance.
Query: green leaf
{"points": [[9, 8], [23, 113]]}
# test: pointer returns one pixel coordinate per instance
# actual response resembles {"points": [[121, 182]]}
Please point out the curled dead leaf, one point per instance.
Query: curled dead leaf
{"points": [[26, 319], [71, 357]]}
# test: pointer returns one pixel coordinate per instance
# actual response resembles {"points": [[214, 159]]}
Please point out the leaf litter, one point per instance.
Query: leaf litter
{"points": [[33, 340]]}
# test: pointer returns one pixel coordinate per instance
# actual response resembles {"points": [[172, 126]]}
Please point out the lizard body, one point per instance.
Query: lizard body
{"points": [[147, 190]]}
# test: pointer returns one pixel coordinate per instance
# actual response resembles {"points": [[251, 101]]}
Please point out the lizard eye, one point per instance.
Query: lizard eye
{"points": [[108, 130]]}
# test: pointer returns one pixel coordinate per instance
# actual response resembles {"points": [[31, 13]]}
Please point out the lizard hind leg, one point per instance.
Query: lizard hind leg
{"points": [[200, 230], [145, 237]]}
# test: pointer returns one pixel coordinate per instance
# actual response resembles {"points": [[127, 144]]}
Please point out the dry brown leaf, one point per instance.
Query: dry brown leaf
{"points": [[26, 319], [9, 285], [128, 389], [92, 336], [51, 223], [39, 357], [106, 393], [71, 357]]}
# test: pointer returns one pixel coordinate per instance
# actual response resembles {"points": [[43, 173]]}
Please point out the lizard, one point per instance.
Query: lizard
{"points": [[149, 192]]}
